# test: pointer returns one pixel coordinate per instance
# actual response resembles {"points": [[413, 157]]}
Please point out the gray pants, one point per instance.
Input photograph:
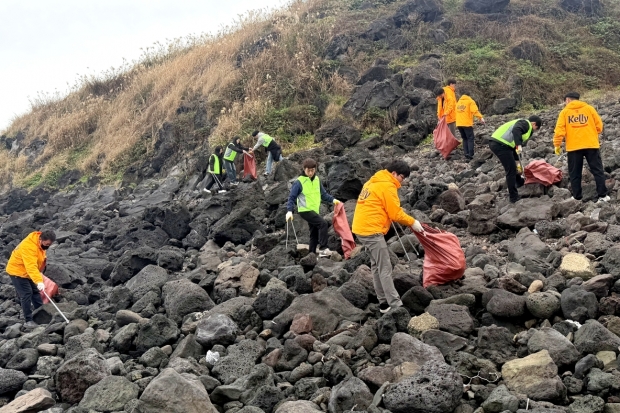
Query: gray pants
{"points": [[452, 127], [381, 268]]}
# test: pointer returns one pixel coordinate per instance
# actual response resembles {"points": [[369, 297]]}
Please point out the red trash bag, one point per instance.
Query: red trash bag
{"points": [[444, 260], [444, 140], [540, 172], [341, 226], [249, 166], [51, 288]]}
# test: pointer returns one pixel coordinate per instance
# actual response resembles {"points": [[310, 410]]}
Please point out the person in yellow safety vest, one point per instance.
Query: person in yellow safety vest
{"points": [[274, 152], [507, 144], [230, 154], [214, 171], [24, 268], [308, 193], [446, 105], [466, 111], [580, 124]]}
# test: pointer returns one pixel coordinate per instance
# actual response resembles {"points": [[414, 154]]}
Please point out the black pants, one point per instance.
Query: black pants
{"points": [[28, 295], [318, 229], [211, 180], [575, 169], [467, 133], [508, 157]]}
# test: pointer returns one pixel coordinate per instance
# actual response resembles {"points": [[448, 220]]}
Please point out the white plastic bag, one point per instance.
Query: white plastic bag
{"points": [[212, 357]]}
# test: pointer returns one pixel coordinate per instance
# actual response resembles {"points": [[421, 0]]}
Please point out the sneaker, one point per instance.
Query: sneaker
{"points": [[606, 198], [325, 253], [384, 308], [207, 191], [221, 191], [30, 325], [234, 183], [266, 174]]}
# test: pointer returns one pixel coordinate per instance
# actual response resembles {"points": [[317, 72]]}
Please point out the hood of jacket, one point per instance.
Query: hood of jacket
{"points": [[575, 104], [384, 176]]}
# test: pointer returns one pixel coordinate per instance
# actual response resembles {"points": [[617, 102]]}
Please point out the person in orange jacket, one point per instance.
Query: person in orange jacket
{"points": [[377, 207], [24, 268], [466, 111], [446, 104], [580, 125]]}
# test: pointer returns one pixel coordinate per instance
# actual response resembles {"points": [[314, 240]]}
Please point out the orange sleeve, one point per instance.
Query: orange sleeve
{"points": [[450, 105], [439, 108], [598, 122], [560, 130], [29, 258], [394, 210], [475, 110]]}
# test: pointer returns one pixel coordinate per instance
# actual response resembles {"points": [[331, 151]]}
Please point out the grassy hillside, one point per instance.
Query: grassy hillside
{"points": [[270, 71]]}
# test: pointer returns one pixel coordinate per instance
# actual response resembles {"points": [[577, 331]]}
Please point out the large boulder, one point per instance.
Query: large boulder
{"points": [[593, 337], [273, 300], [496, 344], [527, 212], [503, 303], [348, 394], [347, 174], [561, 350], [35, 400], [216, 329], [340, 132], [486, 6], [536, 376], [453, 318], [110, 394], [239, 361], [242, 277], [79, 373], [436, 388], [11, 380], [500, 400], [131, 263], [483, 214], [407, 349], [380, 95], [157, 332], [578, 304], [174, 393], [183, 297], [150, 277]]}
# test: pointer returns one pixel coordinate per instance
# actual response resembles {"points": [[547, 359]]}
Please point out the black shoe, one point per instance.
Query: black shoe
{"points": [[384, 307], [514, 201]]}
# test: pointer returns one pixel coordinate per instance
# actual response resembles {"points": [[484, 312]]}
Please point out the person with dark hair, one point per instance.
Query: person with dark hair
{"points": [[214, 171], [466, 111], [377, 207], [446, 104], [580, 125], [274, 152], [232, 150], [507, 144], [308, 192], [25, 268]]}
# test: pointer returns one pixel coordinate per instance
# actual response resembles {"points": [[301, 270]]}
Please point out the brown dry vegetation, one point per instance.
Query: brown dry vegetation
{"points": [[267, 71]]}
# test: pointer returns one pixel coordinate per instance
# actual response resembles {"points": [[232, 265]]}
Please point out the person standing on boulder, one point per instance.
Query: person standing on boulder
{"points": [[377, 207], [446, 104], [24, 268], [274, 152], [308, 192], [214, 172], [580, 124], [232, 150], [466, 111], [507, 144]]}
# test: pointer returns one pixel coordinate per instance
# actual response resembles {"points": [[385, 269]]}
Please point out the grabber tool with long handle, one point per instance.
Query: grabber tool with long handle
{"points": [[217, 180], [294, 232], [410, 243], [55, 306], [401, 242]]}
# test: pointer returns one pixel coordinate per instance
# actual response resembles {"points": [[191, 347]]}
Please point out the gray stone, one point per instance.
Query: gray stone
{"points": [[150, 277], [239, 361], [11, 380], [593, 337], [405, 348], [543, 304], [79, 373], [445, 342], [351, 392], [561, 350], [452, 318], [183, 297], [110, 394], [505, 304], [158, 331], [587, 404], [216, 329], [500, 400], [578, 304]]}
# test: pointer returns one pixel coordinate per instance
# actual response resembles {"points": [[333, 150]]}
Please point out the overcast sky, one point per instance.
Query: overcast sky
{"points": [[46, 44]]}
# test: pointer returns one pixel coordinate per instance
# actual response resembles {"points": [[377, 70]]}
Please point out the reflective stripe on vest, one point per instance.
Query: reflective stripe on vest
{"points": [[230, 155], [217, 169], [310, 197], [504, 133], [266, 140]]}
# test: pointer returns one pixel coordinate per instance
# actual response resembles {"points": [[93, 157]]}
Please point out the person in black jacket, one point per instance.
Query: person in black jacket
{"points": [[232, 150], [214, 172], [507, 143]]}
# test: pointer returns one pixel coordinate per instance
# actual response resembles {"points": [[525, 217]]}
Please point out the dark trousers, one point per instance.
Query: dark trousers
{"points": [[575, 169], [467, 133], [508, 157], [211, 180], [28, 295], [318, 229], [231, 171]]}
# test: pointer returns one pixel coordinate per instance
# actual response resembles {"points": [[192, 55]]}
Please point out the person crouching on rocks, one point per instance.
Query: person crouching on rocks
{"points": [[308, 192], [24, 268], [274, 152], [377, 207]]}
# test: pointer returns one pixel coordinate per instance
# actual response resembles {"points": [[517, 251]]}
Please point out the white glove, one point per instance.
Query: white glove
{"points": [[289, 216], [336, 202], [519, 149], [41, 286], [482, 121], [417, 226]]}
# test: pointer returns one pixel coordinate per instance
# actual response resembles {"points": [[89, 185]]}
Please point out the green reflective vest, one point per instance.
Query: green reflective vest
{"points": [[217, 168], [230, 155], [266, 140], [310, 197], [504, 133]]}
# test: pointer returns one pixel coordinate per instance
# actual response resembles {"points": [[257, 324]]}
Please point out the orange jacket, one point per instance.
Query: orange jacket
{"points": [[27, 259], [466, 109], [378, 205], [446, 106], [580, 125]]}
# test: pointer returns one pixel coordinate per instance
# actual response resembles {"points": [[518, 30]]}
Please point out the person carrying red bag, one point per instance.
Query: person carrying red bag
{"points": [[24, 268], [377, 207]]}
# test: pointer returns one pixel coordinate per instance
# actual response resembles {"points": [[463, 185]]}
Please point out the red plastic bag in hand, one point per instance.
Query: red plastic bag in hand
{"points": [[444, 140], [341, 226], [51, 288], [540, 172], [444, 260], [249, 166]]}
